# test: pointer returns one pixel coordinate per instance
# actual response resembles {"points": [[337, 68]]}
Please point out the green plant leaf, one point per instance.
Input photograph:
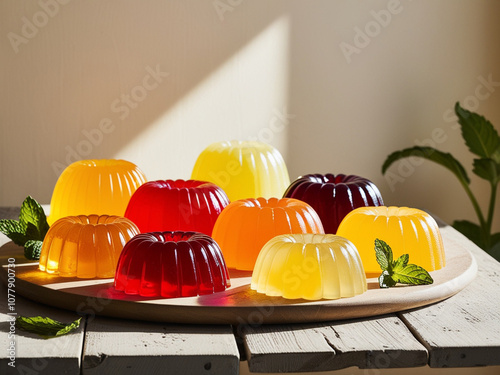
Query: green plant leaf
{"points": [[470, 230], [487, 169], [479, 134], [401, 262], [32, 249], [45, 327], [412, 275], [14, 230], [383, 254], [443, 158], [385, 280], [32, 213]]}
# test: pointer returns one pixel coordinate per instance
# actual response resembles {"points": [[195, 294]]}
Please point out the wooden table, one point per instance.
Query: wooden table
{"points": [[462, 331]]}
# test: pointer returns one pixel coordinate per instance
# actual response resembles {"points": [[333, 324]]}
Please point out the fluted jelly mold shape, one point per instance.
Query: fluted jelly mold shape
{"points": [[85, 246], [406, 230], [95, 187], [334, 196], [244, 169], [171, 264], [177, 205], [309, 266], [244, 226]]}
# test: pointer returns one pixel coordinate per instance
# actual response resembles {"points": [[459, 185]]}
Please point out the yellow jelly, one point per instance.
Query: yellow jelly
{"points": [[85, 246], [95, 187], [243, 169], [405, 230], [309, 266]]}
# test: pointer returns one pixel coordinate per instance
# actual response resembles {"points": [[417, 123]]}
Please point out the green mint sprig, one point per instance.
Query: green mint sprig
{"points": [[30, 230], [45, 327], [398, 271]]}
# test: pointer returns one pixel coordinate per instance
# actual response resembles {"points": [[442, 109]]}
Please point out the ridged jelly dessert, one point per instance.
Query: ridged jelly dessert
{"points": [[406, 230], [180, 205], [171, 264], [247, 224], [334, 196], [95, 187], [85, 246], [309, 266], [244, 169]]}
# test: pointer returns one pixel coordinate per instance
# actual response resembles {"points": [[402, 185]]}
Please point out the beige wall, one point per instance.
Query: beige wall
{"points": [[232, 69]]}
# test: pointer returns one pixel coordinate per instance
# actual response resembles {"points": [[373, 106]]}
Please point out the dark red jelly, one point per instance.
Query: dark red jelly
{"points": [[168, 205], [333, 197], [171, 264]]}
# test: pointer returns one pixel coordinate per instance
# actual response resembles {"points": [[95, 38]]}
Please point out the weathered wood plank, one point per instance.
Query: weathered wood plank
{"points": [[382, 342], [129, 347], [463, 330], [33, 354]]}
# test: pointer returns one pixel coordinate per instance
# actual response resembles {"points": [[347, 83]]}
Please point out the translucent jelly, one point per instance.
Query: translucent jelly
{"points": [[333, 197], [246, 225], [244, 169], [85, 246], [171, 264], [100, 187], [309, 266], [405, 230], [176, 206]]}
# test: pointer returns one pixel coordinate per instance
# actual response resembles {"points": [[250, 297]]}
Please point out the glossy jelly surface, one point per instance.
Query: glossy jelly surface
{"points": [[309, 266], [244, 169], [180, 205], [85, 246], [405, 230], [171, 264], [246, 225], [334, 196], [100, 187]]}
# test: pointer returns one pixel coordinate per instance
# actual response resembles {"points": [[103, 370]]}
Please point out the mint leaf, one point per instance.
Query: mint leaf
{"points": [[487, 169], [412, 275], [384, 255], [33, 218], [32, 249], [443, 158], [401, 262], [14, 230], [398, 271], [479, 134], [45, 327], [385, 280]]}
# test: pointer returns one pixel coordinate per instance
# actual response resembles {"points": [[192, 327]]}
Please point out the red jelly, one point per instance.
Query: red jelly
{"points": [[171, 264], [169, 205], [333, 197]]}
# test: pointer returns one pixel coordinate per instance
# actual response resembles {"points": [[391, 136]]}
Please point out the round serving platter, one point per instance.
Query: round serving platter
{"points": [[238, 304]]}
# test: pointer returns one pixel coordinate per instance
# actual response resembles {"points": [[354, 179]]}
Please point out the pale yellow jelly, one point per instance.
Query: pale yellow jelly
{"points": [[243, 169], [405, 230], [309, 266]]}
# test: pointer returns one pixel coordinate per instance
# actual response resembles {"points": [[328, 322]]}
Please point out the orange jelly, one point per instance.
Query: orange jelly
{"points": [[406, 230], [244, 226], [85, 246], [101, 187]]}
